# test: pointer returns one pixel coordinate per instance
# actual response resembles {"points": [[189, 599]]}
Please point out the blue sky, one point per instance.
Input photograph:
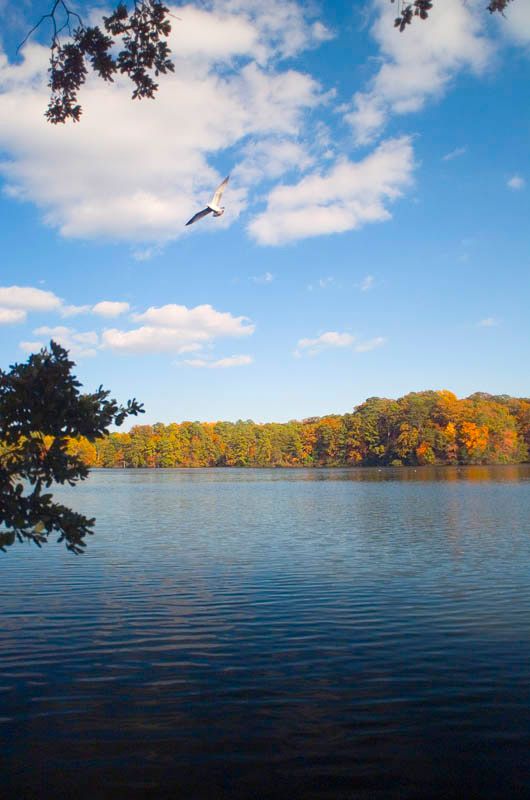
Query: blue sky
{"points": [[376, 236]]}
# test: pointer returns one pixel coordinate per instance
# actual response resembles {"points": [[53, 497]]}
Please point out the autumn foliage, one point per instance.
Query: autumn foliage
{"points": [[417, 429]]}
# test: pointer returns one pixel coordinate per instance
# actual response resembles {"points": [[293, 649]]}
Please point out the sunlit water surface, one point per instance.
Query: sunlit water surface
{"points": [[274, 633]]}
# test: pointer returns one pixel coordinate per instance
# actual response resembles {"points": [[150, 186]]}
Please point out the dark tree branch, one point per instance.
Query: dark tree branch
{"points": [[420, 8], [41, 408], [51, 15], [142, 35], [499, 6]]}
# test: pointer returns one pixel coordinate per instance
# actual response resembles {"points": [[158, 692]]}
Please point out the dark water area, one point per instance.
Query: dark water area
{"points": [[274, 633]]}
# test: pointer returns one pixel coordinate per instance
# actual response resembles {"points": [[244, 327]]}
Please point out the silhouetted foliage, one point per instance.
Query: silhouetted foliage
{"points": [[140, 33], [420, 8], [41, 409]]}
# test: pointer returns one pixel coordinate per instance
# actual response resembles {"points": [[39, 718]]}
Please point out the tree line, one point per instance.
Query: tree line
{"points": [[431, 427]]}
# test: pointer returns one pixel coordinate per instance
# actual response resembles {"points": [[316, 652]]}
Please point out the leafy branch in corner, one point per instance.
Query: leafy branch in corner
{"points": [[41, 408], [132, 43], [420, 8]]}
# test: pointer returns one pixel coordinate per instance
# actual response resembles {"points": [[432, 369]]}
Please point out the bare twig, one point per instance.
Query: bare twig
{"points": [[51, 16]]}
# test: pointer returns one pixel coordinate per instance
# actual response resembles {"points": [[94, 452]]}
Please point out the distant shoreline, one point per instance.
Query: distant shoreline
{"points": [[292, 467], [422, 428]]}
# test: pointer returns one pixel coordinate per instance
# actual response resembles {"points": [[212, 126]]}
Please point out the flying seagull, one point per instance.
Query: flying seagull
{"points": [[213, 205]]}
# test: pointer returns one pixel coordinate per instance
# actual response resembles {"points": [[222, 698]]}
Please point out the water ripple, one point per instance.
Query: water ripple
{"points": [[274, 633]]}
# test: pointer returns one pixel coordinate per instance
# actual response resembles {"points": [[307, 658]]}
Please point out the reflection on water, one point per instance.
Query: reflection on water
{"points": [[274, 633]]}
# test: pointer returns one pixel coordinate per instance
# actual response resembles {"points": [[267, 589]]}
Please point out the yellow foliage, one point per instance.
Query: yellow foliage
{"points": [[475, 438]]}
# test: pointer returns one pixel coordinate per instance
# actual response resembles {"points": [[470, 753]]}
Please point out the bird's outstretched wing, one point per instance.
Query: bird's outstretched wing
{"points": [[199, 215], [216, 199]]}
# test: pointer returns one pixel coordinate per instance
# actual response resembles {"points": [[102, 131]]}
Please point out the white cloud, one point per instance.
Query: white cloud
{"points": [[146, 253], [78, 344], [370, 344], [322, 283], [367, 283], [21, 299], [334, 339], [350, 195], [330, 339], [109, 308], [175, 328], [516, 182], [203, 319], [456, 153], [27, 298], [284, 28], [30, 347], [169, 328], [74, 311], [148, 339], [267, 277], [105, 308], [488, 322], [228, 86], [515, 25], [271, 158], [419, 64], [222, 363], [11, 315], [368, 116], [210, 36]]}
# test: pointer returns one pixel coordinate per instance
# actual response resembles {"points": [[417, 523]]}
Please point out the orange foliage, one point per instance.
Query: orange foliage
{"points": [[475, 439], [425, 454]]}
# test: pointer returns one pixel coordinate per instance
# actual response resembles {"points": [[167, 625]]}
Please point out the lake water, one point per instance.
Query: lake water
{"points": [[274, 633]]}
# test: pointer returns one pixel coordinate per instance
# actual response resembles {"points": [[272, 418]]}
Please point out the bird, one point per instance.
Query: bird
{"points": [[213, 205]]}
